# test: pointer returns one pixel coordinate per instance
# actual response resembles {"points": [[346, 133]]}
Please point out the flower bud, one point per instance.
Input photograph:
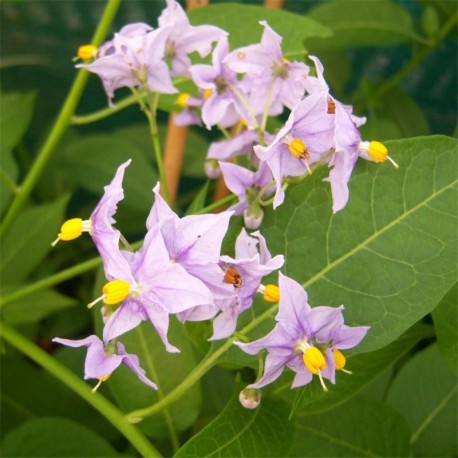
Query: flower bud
{"points": [[253, 216], [250, 398], [212, 169]]}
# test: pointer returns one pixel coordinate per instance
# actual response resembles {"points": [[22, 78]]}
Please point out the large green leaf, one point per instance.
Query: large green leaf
{"points": [[237, 431], [364, 367], [362, 427], [390, 255], [29, 239], [363, 23], [445, 317], [55, 437], [425, 391], [242, 23]]}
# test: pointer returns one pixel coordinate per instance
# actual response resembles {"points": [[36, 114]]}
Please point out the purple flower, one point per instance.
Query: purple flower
{"points": [[102, 360], [223, 105], [251, 264], [194, 243], [306, 138], [307, 340], [134, 58], [268, 74], [183, 38]]}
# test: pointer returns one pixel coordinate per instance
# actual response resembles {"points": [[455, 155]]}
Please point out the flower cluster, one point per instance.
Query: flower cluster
{"points": [[178, 271]]}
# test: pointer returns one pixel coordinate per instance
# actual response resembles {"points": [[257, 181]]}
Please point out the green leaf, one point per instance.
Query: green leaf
{"points": [[445, 317], [397, 115], [92, 161], [8, 179], [425, 392], [390, 255], [55, 437], [364, 367], [37, 306], [363, 23], [16, 113], [165, 369], [237, 431], [198, 203], [242, 23], [29, 240], [362, 427]]}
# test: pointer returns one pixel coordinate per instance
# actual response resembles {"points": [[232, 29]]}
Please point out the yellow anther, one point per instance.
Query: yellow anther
{"points": [[232, 277], [72, 229], [87, 52], [272, 293], [339, 359], [182, 99], [378, 152], [298, 149], [314, 360], [241, 55], [207, 93], [115, 291], [101, 379], [285, 60]]}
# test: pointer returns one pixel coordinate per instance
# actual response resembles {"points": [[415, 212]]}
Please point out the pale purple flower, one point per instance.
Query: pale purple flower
{"points": [[190, 115], [252, 263], [309, 126], [223, 105], [269, 76], [300, 328], [102, 360], [194, 243], [134, 58], [246, 184], [183, 38]]}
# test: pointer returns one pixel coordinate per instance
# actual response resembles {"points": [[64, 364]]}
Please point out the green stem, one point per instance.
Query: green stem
{"points": [[215, 205], [199, 371], [8, 182], [416, 59], [61, 124], [104, 113], [106, 408]]}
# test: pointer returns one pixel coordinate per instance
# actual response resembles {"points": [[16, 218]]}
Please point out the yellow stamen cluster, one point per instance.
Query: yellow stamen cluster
{"points": [[182, 100], [207, 93], [101, 379], [115, 291], [314, 360], [72, 229], [378, 152], [339, 360], [298, 149], [87, 52], [272, 293]]}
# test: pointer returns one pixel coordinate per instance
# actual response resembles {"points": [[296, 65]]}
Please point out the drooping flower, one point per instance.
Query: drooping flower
{"points": [[252, 263], [194, 243], [133, 58], [270, 77], [100, 223], [102, 359], [247, 185], [183, 38], [223, 105], [306, 137], [305, 339]]}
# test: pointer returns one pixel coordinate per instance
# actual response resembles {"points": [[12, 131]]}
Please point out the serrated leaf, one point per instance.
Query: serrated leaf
{"points": [[445, 317], [16, 114], [242, 23], [425, 391], [363, 23], [29, 240], [55, 437], [362, 427], [36, 307], [390, 255], [237, 431], [92, 161], [364, 367]]}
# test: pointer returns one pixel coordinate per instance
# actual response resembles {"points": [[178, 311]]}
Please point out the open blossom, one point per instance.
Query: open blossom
{"points": [[252, 263], [194, 243], [133, 58], [102, 360], [305, 339], [268, 75], [222, 105], [306, 137], [183, 38]]}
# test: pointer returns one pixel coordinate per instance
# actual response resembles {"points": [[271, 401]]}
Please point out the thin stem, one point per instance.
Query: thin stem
{"points": [[216, 205], [199, 371], [246, 105], [106, 112], [73, 382], [267, 106], [8, 182], [61, 124]]}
